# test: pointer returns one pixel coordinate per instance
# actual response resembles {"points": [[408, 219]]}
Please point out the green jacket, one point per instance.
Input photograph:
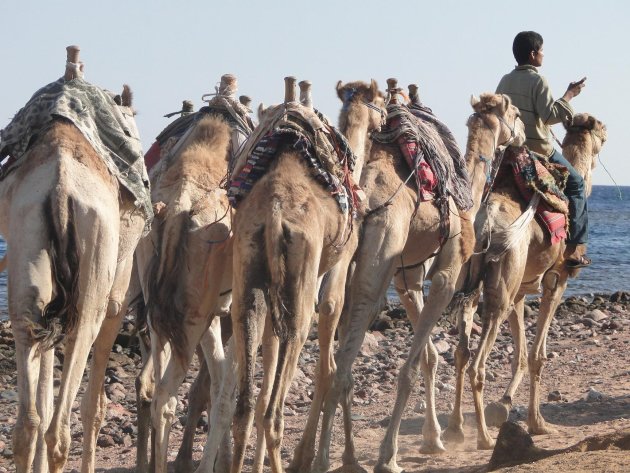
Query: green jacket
{"points": [[530, 93]]}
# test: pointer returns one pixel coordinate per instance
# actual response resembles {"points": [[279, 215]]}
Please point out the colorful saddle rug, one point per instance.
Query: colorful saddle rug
{"points": [[430, 149], [534, 174], [318, 152]]}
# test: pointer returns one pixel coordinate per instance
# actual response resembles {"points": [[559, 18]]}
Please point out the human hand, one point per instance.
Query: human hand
{"points": [[574, 88]]}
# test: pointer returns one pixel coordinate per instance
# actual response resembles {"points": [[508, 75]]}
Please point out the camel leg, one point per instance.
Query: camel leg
{"points": [[164, 405], [94, 288], [198, 401], [45, 406], [249, 308], [454, 433], [29, 290], [499, 290], [221, 411], [440, 294], [554, 285], [498, 412], [409, 285], [376, 260], [212, 346], [94, 402], [145, 387], [290, 348], [330, 307], [270, 361]]}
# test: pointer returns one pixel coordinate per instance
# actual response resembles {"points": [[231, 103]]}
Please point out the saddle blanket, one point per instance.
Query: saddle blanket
{"points": [[535, 174]]}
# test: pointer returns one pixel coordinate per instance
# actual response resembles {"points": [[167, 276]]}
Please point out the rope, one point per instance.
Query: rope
{"points": [[610, 175]]}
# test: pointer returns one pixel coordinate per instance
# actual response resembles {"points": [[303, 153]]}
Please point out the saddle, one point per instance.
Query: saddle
{"points": [[534, 174]]}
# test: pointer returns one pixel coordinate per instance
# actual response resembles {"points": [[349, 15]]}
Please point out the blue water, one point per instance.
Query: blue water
{"points": [[609, 247]]}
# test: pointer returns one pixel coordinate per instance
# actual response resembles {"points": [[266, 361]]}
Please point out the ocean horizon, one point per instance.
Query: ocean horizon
{"points": [[609, 225]]}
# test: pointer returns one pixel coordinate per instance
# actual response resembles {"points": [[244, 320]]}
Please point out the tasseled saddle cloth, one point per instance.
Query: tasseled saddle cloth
{"points": [[325, 151], [535, 174]]}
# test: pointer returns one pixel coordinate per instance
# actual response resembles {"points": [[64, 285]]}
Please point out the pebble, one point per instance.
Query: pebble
{"points": [[593, 395]]}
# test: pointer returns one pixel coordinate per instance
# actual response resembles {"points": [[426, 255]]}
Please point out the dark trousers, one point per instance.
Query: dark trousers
{"points": [[578, 206]]}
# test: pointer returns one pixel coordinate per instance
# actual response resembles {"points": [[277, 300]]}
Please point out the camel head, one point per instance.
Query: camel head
{"points": [[363, 105], [582, 143], [498, 114]]}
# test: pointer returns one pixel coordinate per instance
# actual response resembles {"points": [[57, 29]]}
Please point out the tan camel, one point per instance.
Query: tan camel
{"points": [[395, 235], [507, 277], [185, 263], [71, 228], [275, 282]]}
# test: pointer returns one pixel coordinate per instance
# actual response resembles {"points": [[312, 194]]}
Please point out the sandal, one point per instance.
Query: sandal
{"points": [[580, 262]]}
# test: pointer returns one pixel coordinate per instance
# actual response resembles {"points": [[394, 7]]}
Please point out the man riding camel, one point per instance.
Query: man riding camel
{"points": [[530, 92]]}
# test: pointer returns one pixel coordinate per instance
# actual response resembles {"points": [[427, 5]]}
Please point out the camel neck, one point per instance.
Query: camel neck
{"points": [[479, 157], [357, 137]]}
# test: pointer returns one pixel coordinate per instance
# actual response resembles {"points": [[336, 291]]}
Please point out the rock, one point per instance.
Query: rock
{"points": [[370, 345], [442, 346], [420, 406], [596, 315], [593, 395], [9, 395], [105, 441], [554, 396]]}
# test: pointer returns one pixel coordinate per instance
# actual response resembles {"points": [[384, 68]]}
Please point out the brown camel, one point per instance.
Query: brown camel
{"points": [[71, 225], [185, 262], [507, 275], [288, 231], [396, 235]]}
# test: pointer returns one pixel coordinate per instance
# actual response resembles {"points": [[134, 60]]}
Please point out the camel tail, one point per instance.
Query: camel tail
{"points": [[60, 315], [277, 242], [166, 277]]}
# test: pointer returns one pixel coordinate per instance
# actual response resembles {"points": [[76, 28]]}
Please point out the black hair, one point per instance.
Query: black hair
{"points": [[524, 43]]}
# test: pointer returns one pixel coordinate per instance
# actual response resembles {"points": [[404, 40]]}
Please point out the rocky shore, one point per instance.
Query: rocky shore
{"points": [[589, 365]]}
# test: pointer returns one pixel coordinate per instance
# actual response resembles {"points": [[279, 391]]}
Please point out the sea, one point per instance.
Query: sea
{"points": [[609, 248]]}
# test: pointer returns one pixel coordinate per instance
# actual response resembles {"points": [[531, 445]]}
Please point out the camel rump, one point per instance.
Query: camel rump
{"points": [[324, 149], [99, 119]]}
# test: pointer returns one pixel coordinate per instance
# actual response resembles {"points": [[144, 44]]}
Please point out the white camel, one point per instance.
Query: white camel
{"points": [[71, 227]]}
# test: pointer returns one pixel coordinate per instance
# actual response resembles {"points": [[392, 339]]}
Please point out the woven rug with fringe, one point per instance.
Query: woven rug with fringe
{"points": [[535, 174], [99, 119], [324, 149], [429, 148]]}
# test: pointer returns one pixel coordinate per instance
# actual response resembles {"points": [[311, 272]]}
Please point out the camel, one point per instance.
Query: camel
{"points": [[288, 232], [185, 263], [71, 223], [506, 277], [395, 235]]}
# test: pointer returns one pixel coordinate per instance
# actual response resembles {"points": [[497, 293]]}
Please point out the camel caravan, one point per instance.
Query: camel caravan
{"points": [[240, 234]]}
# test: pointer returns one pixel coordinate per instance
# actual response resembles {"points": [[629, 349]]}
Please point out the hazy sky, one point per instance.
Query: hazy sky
{"points": [[170, 51]]}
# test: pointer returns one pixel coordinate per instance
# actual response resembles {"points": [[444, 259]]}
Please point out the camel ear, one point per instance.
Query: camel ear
{"points": [[591, 122], [474, 101], [126, 96], [373, 89], [261, 111], [505, 103], [338, 88]]}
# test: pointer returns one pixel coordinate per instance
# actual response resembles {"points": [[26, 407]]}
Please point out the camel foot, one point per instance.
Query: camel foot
{"points": [[454, 435], [542, 429], [390, 467], [184, 465], [496, 413], [485, 443], [432, 448]]}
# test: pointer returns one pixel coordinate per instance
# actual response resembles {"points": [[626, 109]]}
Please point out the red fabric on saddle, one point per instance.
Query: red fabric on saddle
{"points": [[424, 174], [555, 222], [152, 156]]}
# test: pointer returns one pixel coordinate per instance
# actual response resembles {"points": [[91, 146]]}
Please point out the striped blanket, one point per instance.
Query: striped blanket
{"points": [[293, 130], [535, 174]]}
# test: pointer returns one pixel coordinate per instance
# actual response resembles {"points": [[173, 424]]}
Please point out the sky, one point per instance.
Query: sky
{"points": [[168, 51]]}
